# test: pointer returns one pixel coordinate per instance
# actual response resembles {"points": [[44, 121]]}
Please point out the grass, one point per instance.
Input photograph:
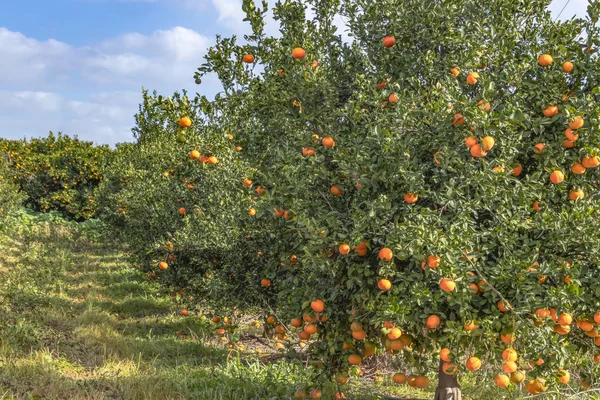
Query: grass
{"points": [[77, 323]]}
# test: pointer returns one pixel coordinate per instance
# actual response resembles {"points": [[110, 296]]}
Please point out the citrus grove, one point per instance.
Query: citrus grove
{"points": [[410, 183]]}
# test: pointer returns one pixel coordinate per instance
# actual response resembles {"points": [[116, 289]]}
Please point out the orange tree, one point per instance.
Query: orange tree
{"points": [[432, 183], [57, 173], [10, 197], [175, 197]]}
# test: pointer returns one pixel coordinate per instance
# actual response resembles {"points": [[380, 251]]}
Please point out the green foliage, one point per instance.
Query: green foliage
{"points": [[10, 198], [57, 173]]}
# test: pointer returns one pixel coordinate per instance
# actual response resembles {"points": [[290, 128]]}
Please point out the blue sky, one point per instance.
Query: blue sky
{"points": [[78, 66]]}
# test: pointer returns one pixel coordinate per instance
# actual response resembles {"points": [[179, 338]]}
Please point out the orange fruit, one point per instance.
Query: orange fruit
{"points": [[501, 306], [458, 120], [252, 211], [509, 355], [392, 98], [287, 215], [472, 78], [576, 194], [538, 148], [315, 394], [433, 321], [296, 323], [185, 122], [576, 123], [265, 282], [473, 364], [536, 206], [557, 177], [261, 190], [517, 377], [590, 162], [212, 160], [359, 335], [185, 313], [248, 58], [517, 170], [471, 326], [445, 355], [471, 141], [194, 154], [597, 318], [484, 105], [568, 144], [477, 151], [449, 368], [570, 135], [328, 142], [550, 111], [300, 394], [354, 359], [308, 152], [399, 378], [567, 66], [421, 382], [163, 265], [336, 191], [585, 326], [380, 85], [447, 284], [339, 395], [386, 254], [311, 329], [597, 358], [395, 333], [564, 376], [410, 198], [454, 71], [509, 367], [565, 319], [545, 59], [561, 330], [361, 249], [344, 248], [502, 381], [433, 261], [397, 344], [384, 285], [317, 305], [182, 211], [247, 182], [388, 41], [298, 53]]}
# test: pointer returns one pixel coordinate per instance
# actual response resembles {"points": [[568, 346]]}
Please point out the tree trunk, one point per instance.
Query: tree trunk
{"points": [[448, 388]]}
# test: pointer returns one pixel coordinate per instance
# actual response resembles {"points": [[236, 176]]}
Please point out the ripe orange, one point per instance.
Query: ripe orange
{"points": [[261, 190], [380, 85], [212, 160], [354, 359], [567, 66], [194, 154], [545, 59], [447, 284], [471, 326], [411, 198], [433, 261], [296, 323], [455, 71], [308, 152], [393, 98], [501, 306], [247, 182], [399, 378], [565, 319], [394, 334], [185, 122], [509, 355], [300, 394], [449, 368], [597, 358], [248, 58], [336, 191], [472, 78], [386, 254], [484, 105], [445, 355], [265, 282], [477, 151], [576, 194], [585, 326], [361, 249], [311, 329], [597, 318], [538, 148], [163, 265], [384, 285], [344, 248], [185, 313], [570, 135], [328, 142], [487, 143], [509, 367], [396, 344], [471, 141], [563, 376], [473, 364], [182, 211], [561, 330], [317, 305], [359, 335], [458, 120], [252, 211], [315, 394], [590, 162], [557, 177], [502, 381], [388, 41], [517, 170], [298, 53], [287, 215], [433, 321], [421, 382], [550, 111], [576, 123]]}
